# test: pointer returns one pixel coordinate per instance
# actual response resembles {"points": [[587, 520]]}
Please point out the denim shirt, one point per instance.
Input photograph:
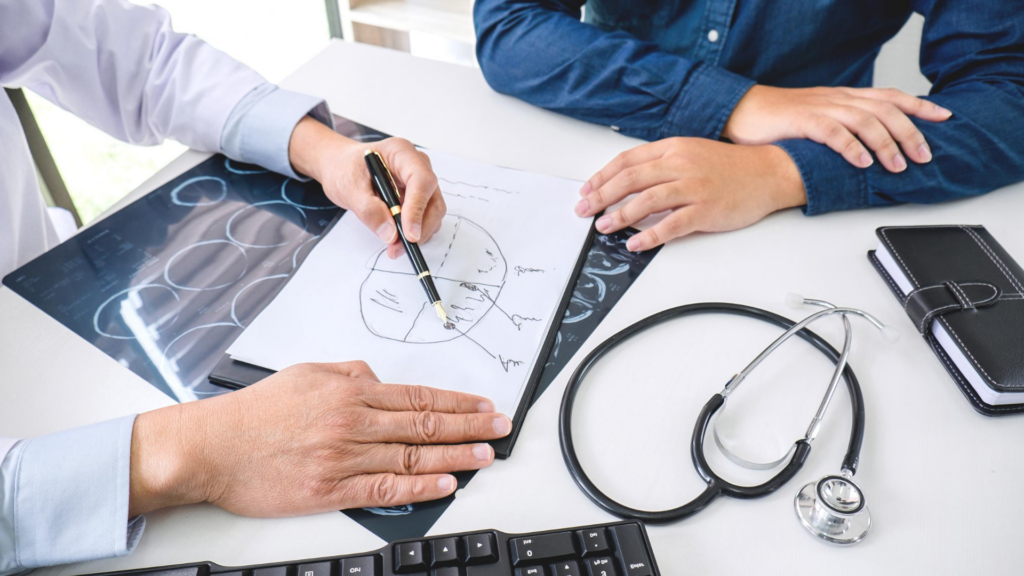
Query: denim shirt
{"points": [[656, 69]]}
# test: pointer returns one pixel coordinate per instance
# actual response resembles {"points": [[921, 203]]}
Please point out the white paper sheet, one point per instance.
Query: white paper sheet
{"points": [[501, 262]]}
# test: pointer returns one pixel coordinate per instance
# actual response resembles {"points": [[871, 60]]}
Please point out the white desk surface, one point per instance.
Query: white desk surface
{"points": [[940, 479]]}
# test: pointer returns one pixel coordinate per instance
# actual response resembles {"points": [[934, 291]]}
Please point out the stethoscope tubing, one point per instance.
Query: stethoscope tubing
{"points": [[715, 485]]}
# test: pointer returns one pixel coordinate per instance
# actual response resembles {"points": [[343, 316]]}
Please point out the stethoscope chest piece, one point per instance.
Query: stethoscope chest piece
{"points": [[833, 509]]}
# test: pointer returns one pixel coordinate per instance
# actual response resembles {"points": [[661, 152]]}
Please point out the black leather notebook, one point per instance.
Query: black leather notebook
{"points": [[965, 295]]}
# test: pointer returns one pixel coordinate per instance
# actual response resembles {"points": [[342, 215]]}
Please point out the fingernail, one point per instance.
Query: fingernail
{"points": [[633, 244], [446, 483], [925, 152], [604, 223], [399, 252], [899, 162], [414, 232], [502, 425], [945, 112], [482, 451], [485, 407], [585, 189], [386, 232], [582, 207], [866, 160]]}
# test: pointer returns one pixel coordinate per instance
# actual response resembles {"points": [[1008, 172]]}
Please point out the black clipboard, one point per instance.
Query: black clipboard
{"points": [[232, 374]]}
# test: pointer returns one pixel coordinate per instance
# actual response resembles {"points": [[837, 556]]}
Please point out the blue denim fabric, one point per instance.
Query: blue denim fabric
{"points": [[650, 69]]}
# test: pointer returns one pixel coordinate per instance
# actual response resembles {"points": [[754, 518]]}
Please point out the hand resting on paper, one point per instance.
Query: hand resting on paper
{"points": [[337, 164], [311, 438], [709, 186]]}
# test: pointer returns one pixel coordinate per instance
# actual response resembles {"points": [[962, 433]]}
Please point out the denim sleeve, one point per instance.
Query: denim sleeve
{"points": [[260, 126], [64, 498], [539, 51], [973, 52]]}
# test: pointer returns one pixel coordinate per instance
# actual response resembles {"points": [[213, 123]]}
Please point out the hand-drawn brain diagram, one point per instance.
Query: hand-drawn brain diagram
{"points": [[468, 269]]}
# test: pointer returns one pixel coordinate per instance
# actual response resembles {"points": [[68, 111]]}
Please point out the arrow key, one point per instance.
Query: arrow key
{"points": [[444, 551], [566, 568], [410, 557], [480, 549]]}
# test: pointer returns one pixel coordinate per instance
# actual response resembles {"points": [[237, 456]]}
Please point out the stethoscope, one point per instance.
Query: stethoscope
{"points": [[833, 508]]}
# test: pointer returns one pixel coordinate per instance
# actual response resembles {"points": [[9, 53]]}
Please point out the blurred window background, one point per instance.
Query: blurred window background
{"points": [[272, 36]]}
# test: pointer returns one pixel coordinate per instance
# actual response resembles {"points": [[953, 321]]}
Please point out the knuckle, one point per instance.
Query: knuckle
{"points": [[384, 490], [863, 120], [655, 236], [421, 398], [852, 146], [358, 366], [630, 177], [833, 130], [428, 427], [412, 459]]}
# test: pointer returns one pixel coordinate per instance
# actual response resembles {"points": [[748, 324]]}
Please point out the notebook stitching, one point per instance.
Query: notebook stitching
{"points": [[967, 388], [917, 291], [965, 349], [892, 283], [931, 314], [961, 295], [900, 258], [995, 259]]}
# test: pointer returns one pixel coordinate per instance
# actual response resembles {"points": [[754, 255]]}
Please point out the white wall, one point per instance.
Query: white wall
{"points": [[897, 65]]}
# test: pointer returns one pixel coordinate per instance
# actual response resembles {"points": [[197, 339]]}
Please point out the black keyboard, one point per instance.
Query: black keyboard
{"points": [[616, 549]]}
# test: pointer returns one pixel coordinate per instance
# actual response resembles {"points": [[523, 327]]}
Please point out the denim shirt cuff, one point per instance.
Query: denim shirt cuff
{"points": [[830, 181], [705, 103]]}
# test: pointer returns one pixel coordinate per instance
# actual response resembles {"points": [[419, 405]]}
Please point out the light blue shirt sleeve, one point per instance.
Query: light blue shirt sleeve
{"points": [[260, 126], [64, 497]]}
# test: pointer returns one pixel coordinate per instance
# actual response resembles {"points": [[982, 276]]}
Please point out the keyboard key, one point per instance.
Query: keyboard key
{"points": [[531, 571], [566, 568], [410, 557], [272, 571], [361, 566], [631, 550], [530, 549], [480, 549], [444, 552], [193, 571], [318, 569], [601, 567], [445, 571], [594, 541]]}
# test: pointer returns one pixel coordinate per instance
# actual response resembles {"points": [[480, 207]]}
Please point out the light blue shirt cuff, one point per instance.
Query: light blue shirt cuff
{"points": [[64, 498], [260, 126]]}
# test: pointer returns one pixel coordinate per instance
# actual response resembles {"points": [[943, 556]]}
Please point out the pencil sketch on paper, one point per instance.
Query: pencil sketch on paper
{"points": [[469, 270]]}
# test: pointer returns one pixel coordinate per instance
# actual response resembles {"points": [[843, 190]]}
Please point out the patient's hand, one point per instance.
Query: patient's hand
{"points": [[710, 187], [847, 120], [337, 163], [312, 438]]}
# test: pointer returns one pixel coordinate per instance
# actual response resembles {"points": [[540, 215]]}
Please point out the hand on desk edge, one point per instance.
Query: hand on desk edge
{"points": [[337, 163], [311, 438], [709, 186]]}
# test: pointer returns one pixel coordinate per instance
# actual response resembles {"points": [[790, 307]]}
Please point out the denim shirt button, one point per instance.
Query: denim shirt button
{"points": [[713, 36]]}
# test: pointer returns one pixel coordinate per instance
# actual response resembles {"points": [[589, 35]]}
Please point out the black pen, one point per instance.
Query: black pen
{"points": [[385, 186]]}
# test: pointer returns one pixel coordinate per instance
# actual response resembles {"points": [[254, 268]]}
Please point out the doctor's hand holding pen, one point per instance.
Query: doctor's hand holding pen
{"points": [[311, 438], [337, 163]]}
